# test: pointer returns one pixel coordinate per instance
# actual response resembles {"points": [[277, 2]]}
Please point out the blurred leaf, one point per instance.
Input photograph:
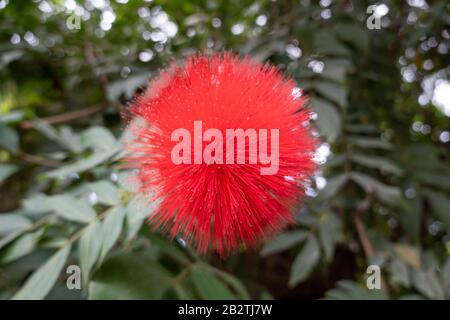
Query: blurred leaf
{"points": [[10, 222], [375, 162], [6, 170], [284, 241], [334, 184], [330, 228], [325, 42], [83, 164], [234, 284], [126, 87], [428, 284], [99, 139], [434, 179], [399, 272], [387, 194], [129, 276], [349, 290], [70, 208], [207, 285], [332, 91], [440, 205], [137, 211], [305, 261], [106, 192], [408, 254], [111, 229], [352, 33], [43, 279], [20, 247], [9, 138], [89, 248], [328, 119], [365, 142]]}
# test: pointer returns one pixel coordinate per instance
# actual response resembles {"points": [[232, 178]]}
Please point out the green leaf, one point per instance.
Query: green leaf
{"points": [[332, 91], [335, 70], [10, 222], [126, 87], [284, 241], [328, 119], [207, 285], [20, 247], [106, 192], [71, 208], [234, 283], [129, 276], [326, 43], [44, 278], [99, 139], [330, 228], [428, 284], [365, 142], [9, 138], [111, 229], [440, 205], [350, 290], [7, 170], [82, 165], [305, 261], [352, 33], [399, 272], [387, 194], [411, 216], [136, 212], [334, 184], [375, 162], [434, 179], [89, 248]]}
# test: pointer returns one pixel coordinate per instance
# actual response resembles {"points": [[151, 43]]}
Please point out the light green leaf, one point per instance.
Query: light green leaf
{"points": [[427, 283], [284, 241], [6, 170], [44, 278], [305, 261], [9, 138], [107, 193], [89, 248], [82, 165], [136, 212], [71, 208], [99, 139], [10, 222], [111, 229], [20, 247]]}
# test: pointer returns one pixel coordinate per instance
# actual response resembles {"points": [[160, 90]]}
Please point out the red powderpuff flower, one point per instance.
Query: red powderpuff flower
{"points": [[217, 204]]}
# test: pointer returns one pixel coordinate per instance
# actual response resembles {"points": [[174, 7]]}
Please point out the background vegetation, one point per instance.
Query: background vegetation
{"points": [[382, 102]]}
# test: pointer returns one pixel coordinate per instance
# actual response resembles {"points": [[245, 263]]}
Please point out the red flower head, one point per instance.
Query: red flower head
{"points": [[225, 145]]}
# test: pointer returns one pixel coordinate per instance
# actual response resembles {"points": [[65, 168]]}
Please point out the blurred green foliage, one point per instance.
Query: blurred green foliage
{"points": [[382, 195]]}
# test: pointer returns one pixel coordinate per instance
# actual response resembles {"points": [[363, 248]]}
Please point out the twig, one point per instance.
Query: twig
{"points": [[68, 116], [41, 161], [363, 236]]}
